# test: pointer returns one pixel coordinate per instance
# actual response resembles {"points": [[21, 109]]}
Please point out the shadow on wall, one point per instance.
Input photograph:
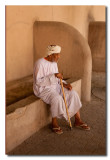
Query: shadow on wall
{"points": [[96, 39], [46, 33], [75, 61]]}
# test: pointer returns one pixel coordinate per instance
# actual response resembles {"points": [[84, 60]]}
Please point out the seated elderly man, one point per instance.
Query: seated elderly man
{"points": [[47, 86]]}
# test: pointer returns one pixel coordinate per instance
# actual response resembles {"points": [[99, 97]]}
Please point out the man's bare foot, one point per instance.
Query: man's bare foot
{"points": [[57, 130], [55, 126], [81, 125], [54, 123]]}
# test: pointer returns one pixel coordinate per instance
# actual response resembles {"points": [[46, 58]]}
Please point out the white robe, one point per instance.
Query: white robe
{"points": [[47, 87]]}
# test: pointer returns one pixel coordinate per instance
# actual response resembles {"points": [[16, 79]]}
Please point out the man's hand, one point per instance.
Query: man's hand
{"points": [[68, 86], [59, 75]]}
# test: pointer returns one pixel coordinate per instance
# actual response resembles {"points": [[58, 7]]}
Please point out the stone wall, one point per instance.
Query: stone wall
{"points": [[19, 31], [97, 38]]}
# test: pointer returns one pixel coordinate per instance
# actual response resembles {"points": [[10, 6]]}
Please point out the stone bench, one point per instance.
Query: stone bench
{"points": [[19, 89], [28, 115]]}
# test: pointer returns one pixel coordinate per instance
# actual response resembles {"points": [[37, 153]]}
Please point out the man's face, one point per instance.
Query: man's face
{"points": [[55, 57]]}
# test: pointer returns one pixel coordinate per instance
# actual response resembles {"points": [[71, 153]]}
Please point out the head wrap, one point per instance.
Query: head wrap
{"points": [[53, 49]]}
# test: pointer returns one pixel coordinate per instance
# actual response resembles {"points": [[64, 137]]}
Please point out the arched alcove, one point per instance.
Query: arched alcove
{"points": [[75, 61], [96, 39]]}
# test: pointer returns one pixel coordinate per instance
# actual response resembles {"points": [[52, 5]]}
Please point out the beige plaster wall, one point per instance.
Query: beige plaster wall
{"points": [[19, 31], [97, 43]]}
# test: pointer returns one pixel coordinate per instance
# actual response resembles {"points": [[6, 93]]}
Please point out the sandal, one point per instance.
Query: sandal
{"points": [[83, 126], [57, 130]]}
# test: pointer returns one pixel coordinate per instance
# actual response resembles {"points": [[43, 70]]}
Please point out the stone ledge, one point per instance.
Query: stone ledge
{"points": [[22, 103], [19, 89], [24, 122], [28, 119]]}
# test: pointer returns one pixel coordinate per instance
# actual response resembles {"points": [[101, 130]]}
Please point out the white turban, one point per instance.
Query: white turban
{"points": [[53, 49]]}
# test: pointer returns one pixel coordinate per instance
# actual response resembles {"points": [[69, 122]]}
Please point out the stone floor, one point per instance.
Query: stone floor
{"points": [[75, 141]]}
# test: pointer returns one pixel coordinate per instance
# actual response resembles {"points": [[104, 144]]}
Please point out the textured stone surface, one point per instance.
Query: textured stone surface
{"points": [[75, 142], [21, 103], [98, 79], [99, 92], [24, 122]]}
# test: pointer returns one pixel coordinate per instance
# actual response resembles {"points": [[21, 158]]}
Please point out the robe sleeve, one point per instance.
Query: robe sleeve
{"points": [[58, 78], [41, 80]]}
